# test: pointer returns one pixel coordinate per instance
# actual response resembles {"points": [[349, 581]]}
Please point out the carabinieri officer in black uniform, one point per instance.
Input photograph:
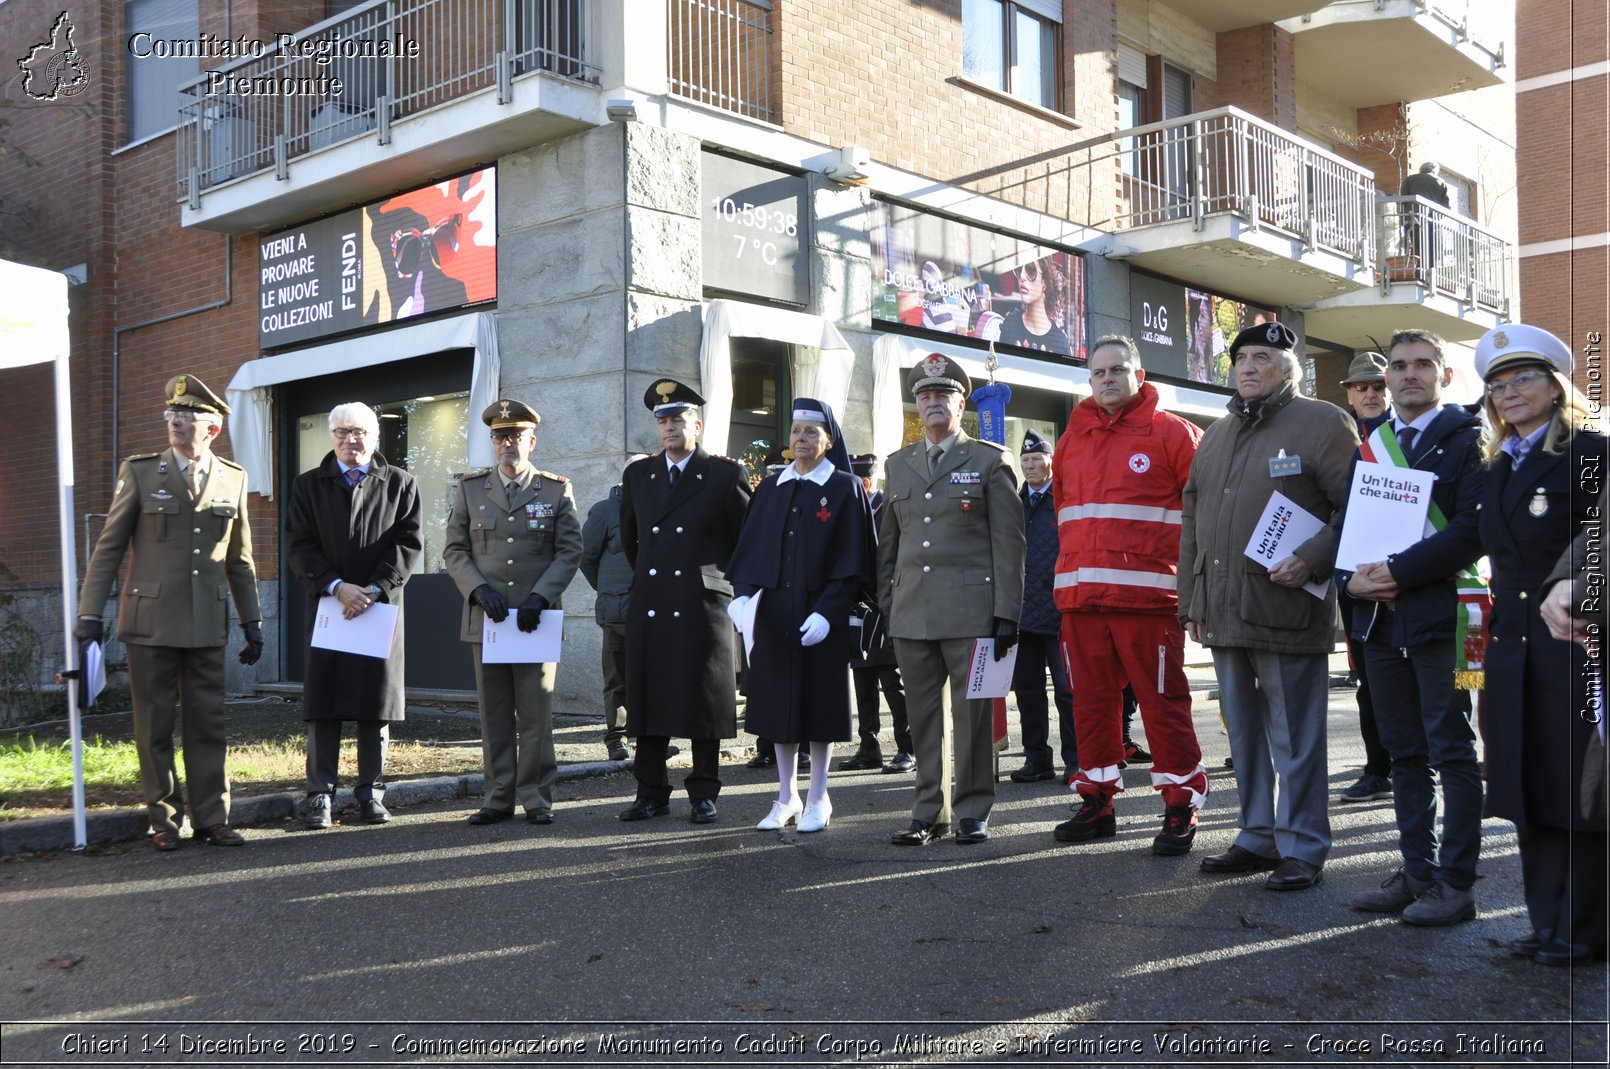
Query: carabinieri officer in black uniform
{"points": [[681, 510]]}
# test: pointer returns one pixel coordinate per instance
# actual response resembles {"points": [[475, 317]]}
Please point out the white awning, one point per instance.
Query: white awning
{"points": [[248, 394], [821, 371]]}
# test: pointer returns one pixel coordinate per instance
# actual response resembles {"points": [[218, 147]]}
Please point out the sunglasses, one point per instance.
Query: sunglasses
{"points": [[410, 248]]}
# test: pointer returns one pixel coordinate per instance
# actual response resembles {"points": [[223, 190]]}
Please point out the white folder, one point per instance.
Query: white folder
{"points": [[368, 634], [505, 643]]}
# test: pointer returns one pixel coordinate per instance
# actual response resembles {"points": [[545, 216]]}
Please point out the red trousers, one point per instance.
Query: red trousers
{"points": [[1105, 650]]}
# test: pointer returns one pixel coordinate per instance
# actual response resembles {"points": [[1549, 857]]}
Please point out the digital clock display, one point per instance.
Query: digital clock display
{"points": [[753, 220]]}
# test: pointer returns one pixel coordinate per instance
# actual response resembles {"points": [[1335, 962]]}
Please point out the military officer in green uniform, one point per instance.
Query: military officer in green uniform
{"points": [[181, 515], [950, 571], [513, 543]]}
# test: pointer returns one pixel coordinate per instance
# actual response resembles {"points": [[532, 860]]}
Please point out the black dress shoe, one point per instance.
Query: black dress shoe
{"points": [[539, 816], [903, 762], [1033, 773], [642, 809], [862, 761], [969, 831], [1528, 945], [1237, 859], [704, 811], [1293, 874], [489, 816], [921, 833], [762, 760], [804, 762], [1558, 954], [619, 753]]}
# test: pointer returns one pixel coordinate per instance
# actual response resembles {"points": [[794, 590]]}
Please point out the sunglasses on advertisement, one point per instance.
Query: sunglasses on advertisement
{"points": [[412, 247]]}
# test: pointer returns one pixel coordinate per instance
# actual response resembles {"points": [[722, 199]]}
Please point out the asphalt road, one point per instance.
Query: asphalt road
{"points": [[593, 942]]}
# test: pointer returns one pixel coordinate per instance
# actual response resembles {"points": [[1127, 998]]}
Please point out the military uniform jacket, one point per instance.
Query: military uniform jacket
{"points": [[528, 545], [951, 544], [1538, 701], [186, 557], [680, 676]]}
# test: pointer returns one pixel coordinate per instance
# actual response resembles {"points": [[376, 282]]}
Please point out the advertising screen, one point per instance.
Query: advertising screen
{"points": [[939, 275], [428, 250], [1185, 333]]}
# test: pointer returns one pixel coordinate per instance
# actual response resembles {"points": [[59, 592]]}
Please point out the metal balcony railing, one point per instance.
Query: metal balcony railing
{"points": [[392, 58], [1418, 241], [1226, 162], [720, 54]]}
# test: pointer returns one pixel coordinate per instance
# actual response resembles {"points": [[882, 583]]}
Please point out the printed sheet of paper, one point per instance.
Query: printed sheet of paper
{"points": [[505, 643], [368, 634], [987, 677], [1283, 527], [1386, 513]]}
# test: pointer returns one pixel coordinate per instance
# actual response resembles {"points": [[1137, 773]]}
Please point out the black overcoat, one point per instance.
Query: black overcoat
{"points": [[1535, 731], [366, 535], [805, 548], [680, 674]]}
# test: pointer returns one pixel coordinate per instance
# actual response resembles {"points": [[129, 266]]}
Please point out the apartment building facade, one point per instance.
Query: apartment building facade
{"points": [[424, 205]]}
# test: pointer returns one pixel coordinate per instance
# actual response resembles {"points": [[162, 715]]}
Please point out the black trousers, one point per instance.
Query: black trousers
{"points": [[324, 757], [654, 782], [1035, 655], [868, 681], [1377, 762], [614, 664]]}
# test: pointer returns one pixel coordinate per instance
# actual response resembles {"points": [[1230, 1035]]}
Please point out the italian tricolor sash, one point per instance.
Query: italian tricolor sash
{"points": [[1470, 647]]}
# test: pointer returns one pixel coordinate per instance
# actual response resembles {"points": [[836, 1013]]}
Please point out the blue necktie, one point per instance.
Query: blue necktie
{"points": [[1406, 436]]}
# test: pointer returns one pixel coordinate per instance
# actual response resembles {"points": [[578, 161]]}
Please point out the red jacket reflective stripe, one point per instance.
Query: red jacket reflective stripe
{"points": [[1117, 484]]}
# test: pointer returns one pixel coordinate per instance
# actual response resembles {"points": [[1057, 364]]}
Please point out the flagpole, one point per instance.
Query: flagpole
{"points": [[69, 589]]}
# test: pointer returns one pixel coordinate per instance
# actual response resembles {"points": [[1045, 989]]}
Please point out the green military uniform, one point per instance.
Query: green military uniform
{"points": [[520, 542], [950, 564], [188, 554]]}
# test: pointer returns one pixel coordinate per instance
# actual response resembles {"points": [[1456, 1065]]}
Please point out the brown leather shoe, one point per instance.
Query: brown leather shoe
{"points": [[165, 840], [221, 835]]}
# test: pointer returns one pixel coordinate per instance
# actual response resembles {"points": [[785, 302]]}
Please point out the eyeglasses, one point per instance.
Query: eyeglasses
{"points": [[342, 433], [507, 436], [1525, 378], [1367, 387], [175, 415]]}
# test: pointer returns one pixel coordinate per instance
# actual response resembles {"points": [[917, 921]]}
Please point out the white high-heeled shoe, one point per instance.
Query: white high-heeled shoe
{"points": [[781, 816], [816, 816]]}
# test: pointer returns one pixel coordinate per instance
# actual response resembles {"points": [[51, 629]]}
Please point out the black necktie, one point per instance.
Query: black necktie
{"points": [[675, 471], [1406, 436]]}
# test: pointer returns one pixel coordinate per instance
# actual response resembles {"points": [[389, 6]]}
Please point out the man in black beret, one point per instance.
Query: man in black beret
{"points": [[681, 510]]}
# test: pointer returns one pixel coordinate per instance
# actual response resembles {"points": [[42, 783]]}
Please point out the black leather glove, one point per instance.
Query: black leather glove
{"points": [[253, 650], [90, 630], [530, 613], [491, 603], [1005, 637]]}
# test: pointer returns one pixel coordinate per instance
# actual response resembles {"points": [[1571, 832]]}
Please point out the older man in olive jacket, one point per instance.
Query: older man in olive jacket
{"points": [[1269, 637]]}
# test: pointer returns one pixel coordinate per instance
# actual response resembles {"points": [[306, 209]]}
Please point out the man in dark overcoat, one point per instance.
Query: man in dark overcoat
{"points": [[604, 566], [681, 510], [513, 544], [353, 534]]}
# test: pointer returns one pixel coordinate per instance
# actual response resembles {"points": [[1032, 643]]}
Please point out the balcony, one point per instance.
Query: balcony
{"points": [[720, 54], [426, 88], [1416, 50], [1231, 203], [1217, 15], [1437, 271]]}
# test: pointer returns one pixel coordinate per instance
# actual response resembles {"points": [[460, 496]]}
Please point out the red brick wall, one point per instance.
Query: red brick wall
{"points": [[114, 209], [1257, 68], [880, 74], [1561, 156]]}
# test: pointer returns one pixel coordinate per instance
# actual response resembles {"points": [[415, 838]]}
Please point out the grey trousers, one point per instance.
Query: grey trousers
{"points": [[517, 755], [1274, 710], [324, 757], [957, 733]]}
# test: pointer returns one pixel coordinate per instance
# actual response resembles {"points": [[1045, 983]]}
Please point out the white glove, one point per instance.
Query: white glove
{"points": [[735, 611], [813, 630]]}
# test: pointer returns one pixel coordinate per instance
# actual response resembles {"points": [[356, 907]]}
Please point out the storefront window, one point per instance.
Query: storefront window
{"points": [[760, 399]]}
